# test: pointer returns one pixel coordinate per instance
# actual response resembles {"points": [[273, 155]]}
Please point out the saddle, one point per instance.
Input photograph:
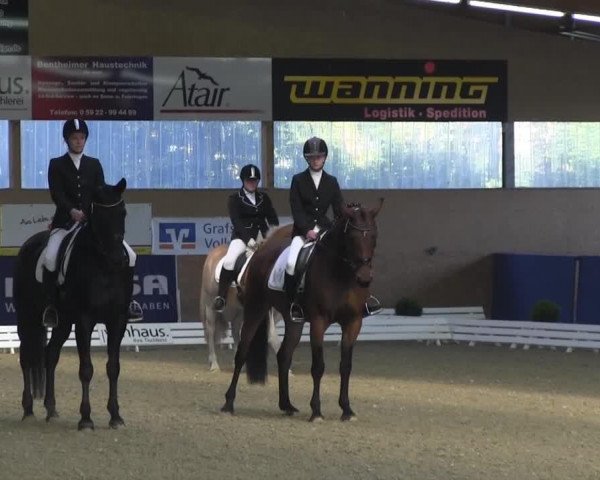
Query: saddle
{"points": [[62, 257], [238, 270], [277, 275]]}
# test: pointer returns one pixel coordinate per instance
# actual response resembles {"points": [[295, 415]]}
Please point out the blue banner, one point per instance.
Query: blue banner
{"points": [[8, 315], [520, 281], [155, 287]]}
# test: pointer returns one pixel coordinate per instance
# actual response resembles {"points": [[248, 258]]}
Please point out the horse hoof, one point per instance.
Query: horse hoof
{"points": [[85, 425], [116, 423], [348, 417], [316, 418], [28, 416], [227, 409], [51, 415], [214, 368], [289, 410]]}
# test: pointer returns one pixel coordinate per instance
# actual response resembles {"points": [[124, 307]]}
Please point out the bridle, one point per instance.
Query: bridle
{"points": [[356, 263], [97, 238]]}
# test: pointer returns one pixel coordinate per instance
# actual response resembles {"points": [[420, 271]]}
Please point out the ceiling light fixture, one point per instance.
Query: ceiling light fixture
{"points": [[516, 8], [586, 18], [454, 2]]}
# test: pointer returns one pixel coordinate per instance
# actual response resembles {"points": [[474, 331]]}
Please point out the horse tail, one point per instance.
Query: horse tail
{"points": [[31, 357], [256, 361], [29, 304]]}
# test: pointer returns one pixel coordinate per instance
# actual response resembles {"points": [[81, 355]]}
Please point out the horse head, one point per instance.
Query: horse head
{"points": [[107, 221], [359, 239]]}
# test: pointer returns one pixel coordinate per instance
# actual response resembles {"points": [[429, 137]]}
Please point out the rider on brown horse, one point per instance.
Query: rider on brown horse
{"points": [[251, 212], [312, 193]]}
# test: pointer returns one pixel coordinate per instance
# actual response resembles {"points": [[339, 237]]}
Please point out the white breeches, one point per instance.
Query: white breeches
{"points": [[56, 237], [236, 248], [295, 247]]}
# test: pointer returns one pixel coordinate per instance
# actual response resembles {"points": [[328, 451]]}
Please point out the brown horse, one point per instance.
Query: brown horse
{"points": [[216, 324], [336, 289]]}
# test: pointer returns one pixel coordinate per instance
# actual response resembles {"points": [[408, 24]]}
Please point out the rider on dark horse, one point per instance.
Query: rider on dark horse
{"points": [[251, 212], [312, 193], [72, 179]]}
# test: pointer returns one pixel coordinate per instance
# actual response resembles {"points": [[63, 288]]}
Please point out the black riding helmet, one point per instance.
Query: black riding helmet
{"points": [[250, 172], [75, 125], [314, 147]]}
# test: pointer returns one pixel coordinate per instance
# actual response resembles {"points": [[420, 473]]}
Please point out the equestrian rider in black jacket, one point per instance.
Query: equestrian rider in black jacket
{"points": [[312, 193], [72, 179], [251, 212]]}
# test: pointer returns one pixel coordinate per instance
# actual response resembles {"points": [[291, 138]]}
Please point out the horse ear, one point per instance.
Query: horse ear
{"points": [[347, 211], [121, 186], [375, 210]]}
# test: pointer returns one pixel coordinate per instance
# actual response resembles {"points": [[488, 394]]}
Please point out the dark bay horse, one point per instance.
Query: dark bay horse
{"points": [[336, 289], [97, 289], [215, 324]]}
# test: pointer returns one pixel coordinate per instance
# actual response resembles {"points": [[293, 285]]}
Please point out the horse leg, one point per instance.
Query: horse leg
{"points": [[253, 316], [293, 332], [57, 340], [27, 398], [274, 341], [113, 368], [350, 332], [317, 332], [83, 333], [209, 332]]}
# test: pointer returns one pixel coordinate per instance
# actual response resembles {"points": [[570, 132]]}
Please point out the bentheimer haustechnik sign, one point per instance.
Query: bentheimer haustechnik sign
{"points": [[389, 90]]}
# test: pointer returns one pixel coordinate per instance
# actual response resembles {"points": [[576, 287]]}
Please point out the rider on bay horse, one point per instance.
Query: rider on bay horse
{"points": [[251, 212], [73, 179], [312, 193]]}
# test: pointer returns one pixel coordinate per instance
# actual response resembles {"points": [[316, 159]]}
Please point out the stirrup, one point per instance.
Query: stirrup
{"points": [[372, 306], [296, 313], [50, 317], [219, 304], [135, 313]]}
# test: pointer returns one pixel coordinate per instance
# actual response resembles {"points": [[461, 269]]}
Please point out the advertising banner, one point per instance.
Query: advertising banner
{"points": [[212, 88], [155, 288], [189, 236], [95, 88], [21, 221], [15, 87], [8, 315], [389, 90], [14, 27]]}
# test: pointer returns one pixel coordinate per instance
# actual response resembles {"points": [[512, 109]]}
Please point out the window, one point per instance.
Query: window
{"points": [[4, 172], [557, 154], [158, 155], [396, 154]]}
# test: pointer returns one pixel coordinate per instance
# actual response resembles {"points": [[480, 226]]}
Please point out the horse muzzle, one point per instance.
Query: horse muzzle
{"points": [[364, 276]]}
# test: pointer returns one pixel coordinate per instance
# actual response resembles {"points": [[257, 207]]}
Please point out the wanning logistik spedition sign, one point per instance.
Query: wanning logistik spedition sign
{"points": [[389, 90]]}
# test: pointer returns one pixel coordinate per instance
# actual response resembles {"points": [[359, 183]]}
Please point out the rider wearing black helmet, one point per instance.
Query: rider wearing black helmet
{"points": [[312, 193], [251, 212], [72, 179]]}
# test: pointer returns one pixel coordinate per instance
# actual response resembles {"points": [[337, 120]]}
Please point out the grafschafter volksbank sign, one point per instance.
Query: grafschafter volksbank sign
{"points": [[389, 90], [212, 88]]}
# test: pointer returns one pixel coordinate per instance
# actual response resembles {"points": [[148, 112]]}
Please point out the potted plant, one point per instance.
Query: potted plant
{"points": [[408, 307], [545, 311]]}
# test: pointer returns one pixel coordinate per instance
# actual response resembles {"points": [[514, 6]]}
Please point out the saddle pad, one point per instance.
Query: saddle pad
{"points": [[242, 270], [277, 275]]}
